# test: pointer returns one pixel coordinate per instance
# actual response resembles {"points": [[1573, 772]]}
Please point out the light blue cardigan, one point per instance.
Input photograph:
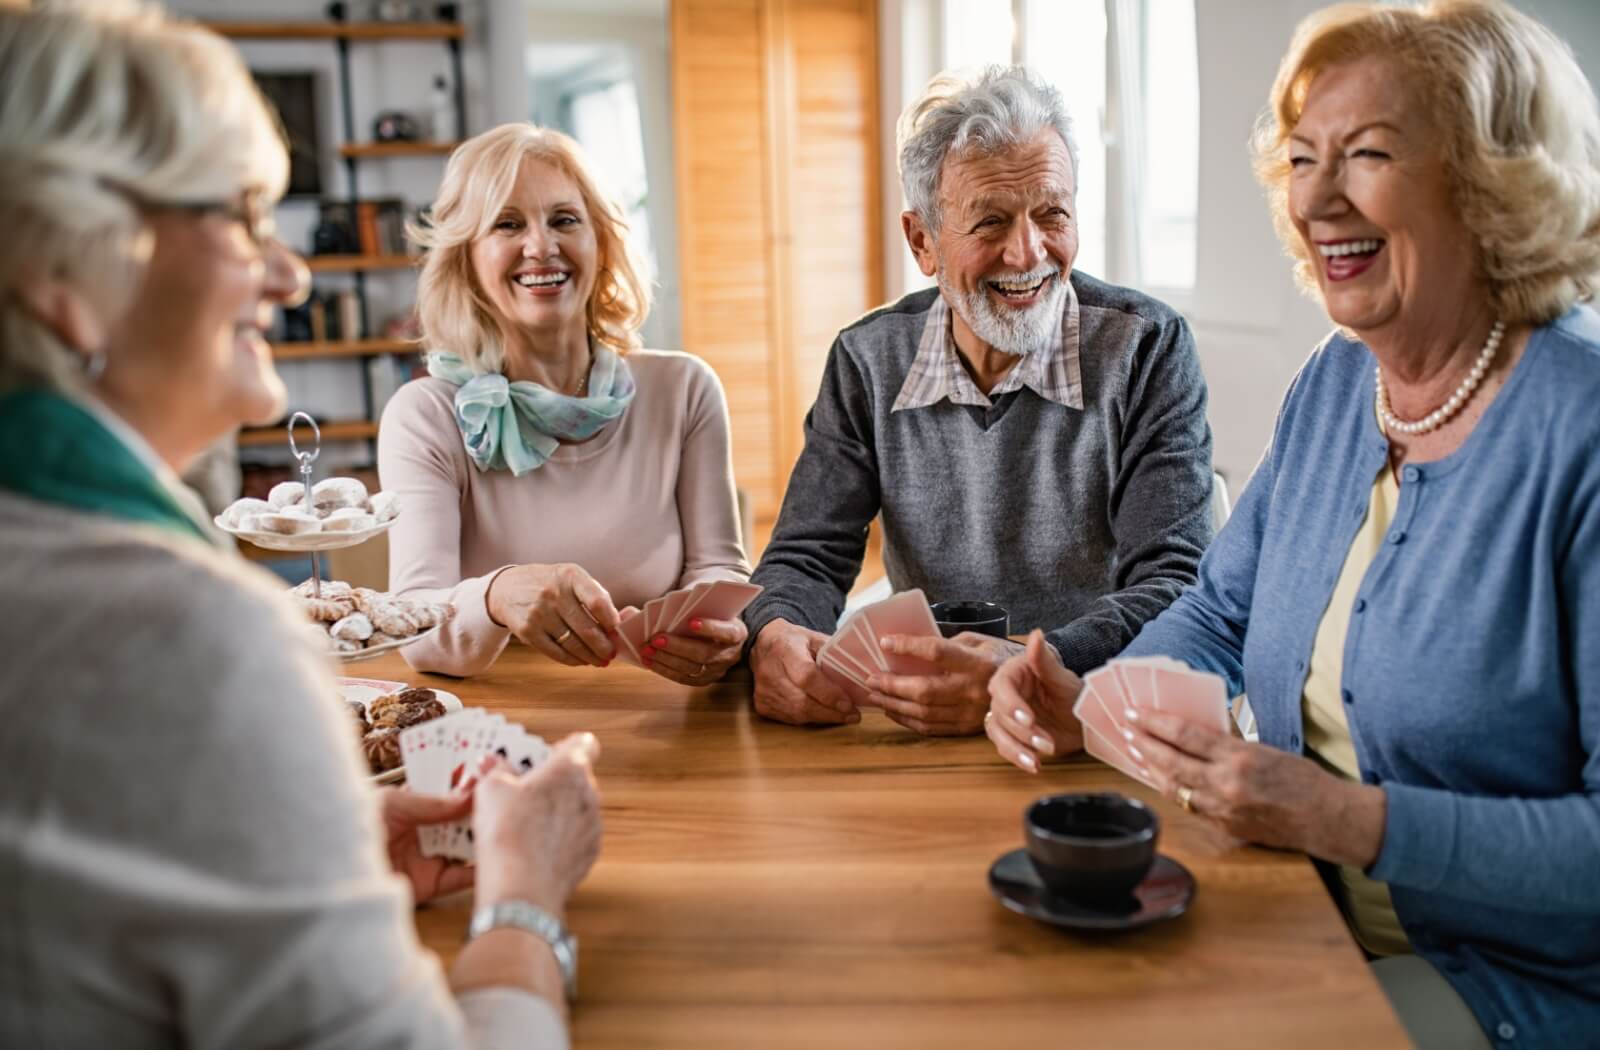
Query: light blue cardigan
{"points": [[1471, 672]]}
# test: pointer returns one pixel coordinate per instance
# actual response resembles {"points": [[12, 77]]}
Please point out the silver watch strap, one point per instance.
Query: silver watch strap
{"points": [[537, 921]]}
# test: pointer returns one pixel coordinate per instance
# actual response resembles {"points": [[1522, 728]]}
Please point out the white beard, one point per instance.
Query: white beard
{"points": [[1010, 331]]}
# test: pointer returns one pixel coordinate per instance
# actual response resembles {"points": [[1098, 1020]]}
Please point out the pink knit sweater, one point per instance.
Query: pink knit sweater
{"points": [[644, 507]]}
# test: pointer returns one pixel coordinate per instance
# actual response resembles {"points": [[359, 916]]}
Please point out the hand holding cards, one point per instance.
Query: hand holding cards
{"points": [[853, 655], [441, 755], [1155, 683], [670, 613]]}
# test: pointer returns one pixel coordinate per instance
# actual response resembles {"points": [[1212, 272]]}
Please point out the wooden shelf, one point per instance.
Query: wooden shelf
{"points": [[343, 348], [338, 30], [397, 149], [349, 263], [355, 430]]}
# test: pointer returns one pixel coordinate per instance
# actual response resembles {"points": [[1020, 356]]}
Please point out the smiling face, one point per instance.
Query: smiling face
{"points": [[1007, 238], [538, 263], [191, 352], [1370, 197]]}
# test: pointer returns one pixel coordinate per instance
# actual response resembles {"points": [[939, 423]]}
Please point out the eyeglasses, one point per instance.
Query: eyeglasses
{"points": [[251, 209]]}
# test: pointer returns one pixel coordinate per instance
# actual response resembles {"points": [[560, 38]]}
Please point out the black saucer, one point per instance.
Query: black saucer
{"points": [[1164, 894]]}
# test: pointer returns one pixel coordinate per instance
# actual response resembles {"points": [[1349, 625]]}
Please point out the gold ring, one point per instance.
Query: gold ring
{"points": [[1186, 797], [564, 636]]}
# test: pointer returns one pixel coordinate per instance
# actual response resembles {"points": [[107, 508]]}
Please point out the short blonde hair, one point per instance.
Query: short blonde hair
{"points": [[455, 313], [99, 105], [1522, 138]]}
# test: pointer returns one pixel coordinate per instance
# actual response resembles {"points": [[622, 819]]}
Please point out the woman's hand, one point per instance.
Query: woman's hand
{"points": [[1030, 706], [557, 609], [1258, 793], [700, 657], [403, 812], [538, 833]]}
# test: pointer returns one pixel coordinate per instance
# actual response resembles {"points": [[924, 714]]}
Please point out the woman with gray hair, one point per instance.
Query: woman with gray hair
{"points": [[1410, 587], [189, 854]]}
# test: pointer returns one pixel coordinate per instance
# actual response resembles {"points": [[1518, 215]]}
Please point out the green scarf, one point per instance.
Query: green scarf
{"points": [[56, 451]]}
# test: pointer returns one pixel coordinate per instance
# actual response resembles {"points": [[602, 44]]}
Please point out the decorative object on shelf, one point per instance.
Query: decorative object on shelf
{"points": [[336, 230], [338, 11], [392, 125], [448, 12], [396, 11], [442, 107]]}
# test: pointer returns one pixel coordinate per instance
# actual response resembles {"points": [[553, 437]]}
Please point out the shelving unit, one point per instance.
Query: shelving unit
{"points": [[347, 348], [352, 152], [351, 430]]}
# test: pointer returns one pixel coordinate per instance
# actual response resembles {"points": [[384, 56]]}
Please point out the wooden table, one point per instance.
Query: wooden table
{"points": [[766, 886]]}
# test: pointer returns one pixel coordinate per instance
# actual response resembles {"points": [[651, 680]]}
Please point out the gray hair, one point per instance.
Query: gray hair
{"points": [[999, 108], [99, 102]]}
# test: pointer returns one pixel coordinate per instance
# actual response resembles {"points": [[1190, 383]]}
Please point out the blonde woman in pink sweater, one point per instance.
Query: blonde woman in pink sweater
{"points": [[551, 471]]}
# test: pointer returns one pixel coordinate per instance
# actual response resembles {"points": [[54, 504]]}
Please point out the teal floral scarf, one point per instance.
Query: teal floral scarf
{"points": [[518, 426]]}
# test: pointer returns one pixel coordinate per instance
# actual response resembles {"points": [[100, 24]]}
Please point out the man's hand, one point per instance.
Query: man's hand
{"points": [[951, 701], [403, 812], [789, 686]]}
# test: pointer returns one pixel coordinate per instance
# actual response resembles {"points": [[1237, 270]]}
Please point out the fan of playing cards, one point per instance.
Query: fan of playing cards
{"points": [[1153, 683], [852, 655], [441, 754], [707, 600]]}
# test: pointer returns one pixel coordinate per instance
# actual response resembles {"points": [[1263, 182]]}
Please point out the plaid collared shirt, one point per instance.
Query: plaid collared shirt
{"points": [[937, 372]]}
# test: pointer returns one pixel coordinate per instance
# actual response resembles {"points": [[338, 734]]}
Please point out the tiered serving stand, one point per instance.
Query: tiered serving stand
{"points": [[314, 543]]}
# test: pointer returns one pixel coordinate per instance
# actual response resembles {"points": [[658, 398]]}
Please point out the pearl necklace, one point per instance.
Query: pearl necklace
{"points": [[1445, 412]]}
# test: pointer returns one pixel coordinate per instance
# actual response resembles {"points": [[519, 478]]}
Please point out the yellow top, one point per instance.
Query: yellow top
{"points": [[1366, 901]]}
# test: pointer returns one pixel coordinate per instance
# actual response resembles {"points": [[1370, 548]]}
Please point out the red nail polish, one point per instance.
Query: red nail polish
{"points": [[647, 652], [695, 625], [661, 641]]}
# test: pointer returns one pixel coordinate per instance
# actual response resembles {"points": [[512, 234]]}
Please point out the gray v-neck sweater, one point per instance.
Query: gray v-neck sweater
{"points": [[1085, 523]]}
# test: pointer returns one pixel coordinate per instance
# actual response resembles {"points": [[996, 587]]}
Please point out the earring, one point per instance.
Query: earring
{"points": [[94, 366]]}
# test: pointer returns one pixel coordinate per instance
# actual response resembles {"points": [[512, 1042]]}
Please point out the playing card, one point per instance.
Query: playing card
{"points": [[627, 643], [850, 683], [1112, 755], [720, 600], [1108, 686], [1199, 696], [903, 613], [652, 617], [835, 653], [634, 632], [672, 607], [855, 640]]}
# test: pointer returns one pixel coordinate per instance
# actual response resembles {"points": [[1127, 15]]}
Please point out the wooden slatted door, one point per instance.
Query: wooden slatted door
{"points": [[775, 117]]}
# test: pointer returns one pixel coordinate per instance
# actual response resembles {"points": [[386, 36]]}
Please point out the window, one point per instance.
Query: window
{"points": [[1128, 70]]}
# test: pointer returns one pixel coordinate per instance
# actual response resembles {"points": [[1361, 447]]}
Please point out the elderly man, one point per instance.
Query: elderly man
{"points": [[1030, 435]]}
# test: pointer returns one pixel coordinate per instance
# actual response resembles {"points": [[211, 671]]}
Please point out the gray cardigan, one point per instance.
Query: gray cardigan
{"points": [[1085, 523], [189, 852]]}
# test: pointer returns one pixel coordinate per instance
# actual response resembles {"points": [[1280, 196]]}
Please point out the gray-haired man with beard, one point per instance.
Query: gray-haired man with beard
{"points": [[1030, 435]]}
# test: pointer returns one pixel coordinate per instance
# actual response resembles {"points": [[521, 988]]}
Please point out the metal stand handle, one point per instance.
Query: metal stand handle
{"points": [[305, 459]]}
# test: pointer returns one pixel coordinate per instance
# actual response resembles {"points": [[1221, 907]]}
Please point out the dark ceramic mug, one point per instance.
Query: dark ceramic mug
{"points": [[1091, 846], [979, 617]]}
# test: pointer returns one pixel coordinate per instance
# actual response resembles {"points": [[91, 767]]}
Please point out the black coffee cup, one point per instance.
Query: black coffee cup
{"points": [[1092, 847], [981, 617]]}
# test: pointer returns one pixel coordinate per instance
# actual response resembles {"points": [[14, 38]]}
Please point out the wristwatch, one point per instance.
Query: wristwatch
{"points": [[537, 921]]}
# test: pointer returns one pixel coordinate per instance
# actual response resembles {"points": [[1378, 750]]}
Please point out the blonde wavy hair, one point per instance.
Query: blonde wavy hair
{"points": [[1522, 134], [101, 104], [455, 313]]}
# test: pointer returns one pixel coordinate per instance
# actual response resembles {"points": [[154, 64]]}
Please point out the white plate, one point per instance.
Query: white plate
{"points": [[366, 690], [306, 541], [378, 650]]}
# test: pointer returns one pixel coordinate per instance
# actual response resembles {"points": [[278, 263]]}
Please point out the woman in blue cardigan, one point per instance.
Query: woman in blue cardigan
{"points": [[1409, 590]]}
